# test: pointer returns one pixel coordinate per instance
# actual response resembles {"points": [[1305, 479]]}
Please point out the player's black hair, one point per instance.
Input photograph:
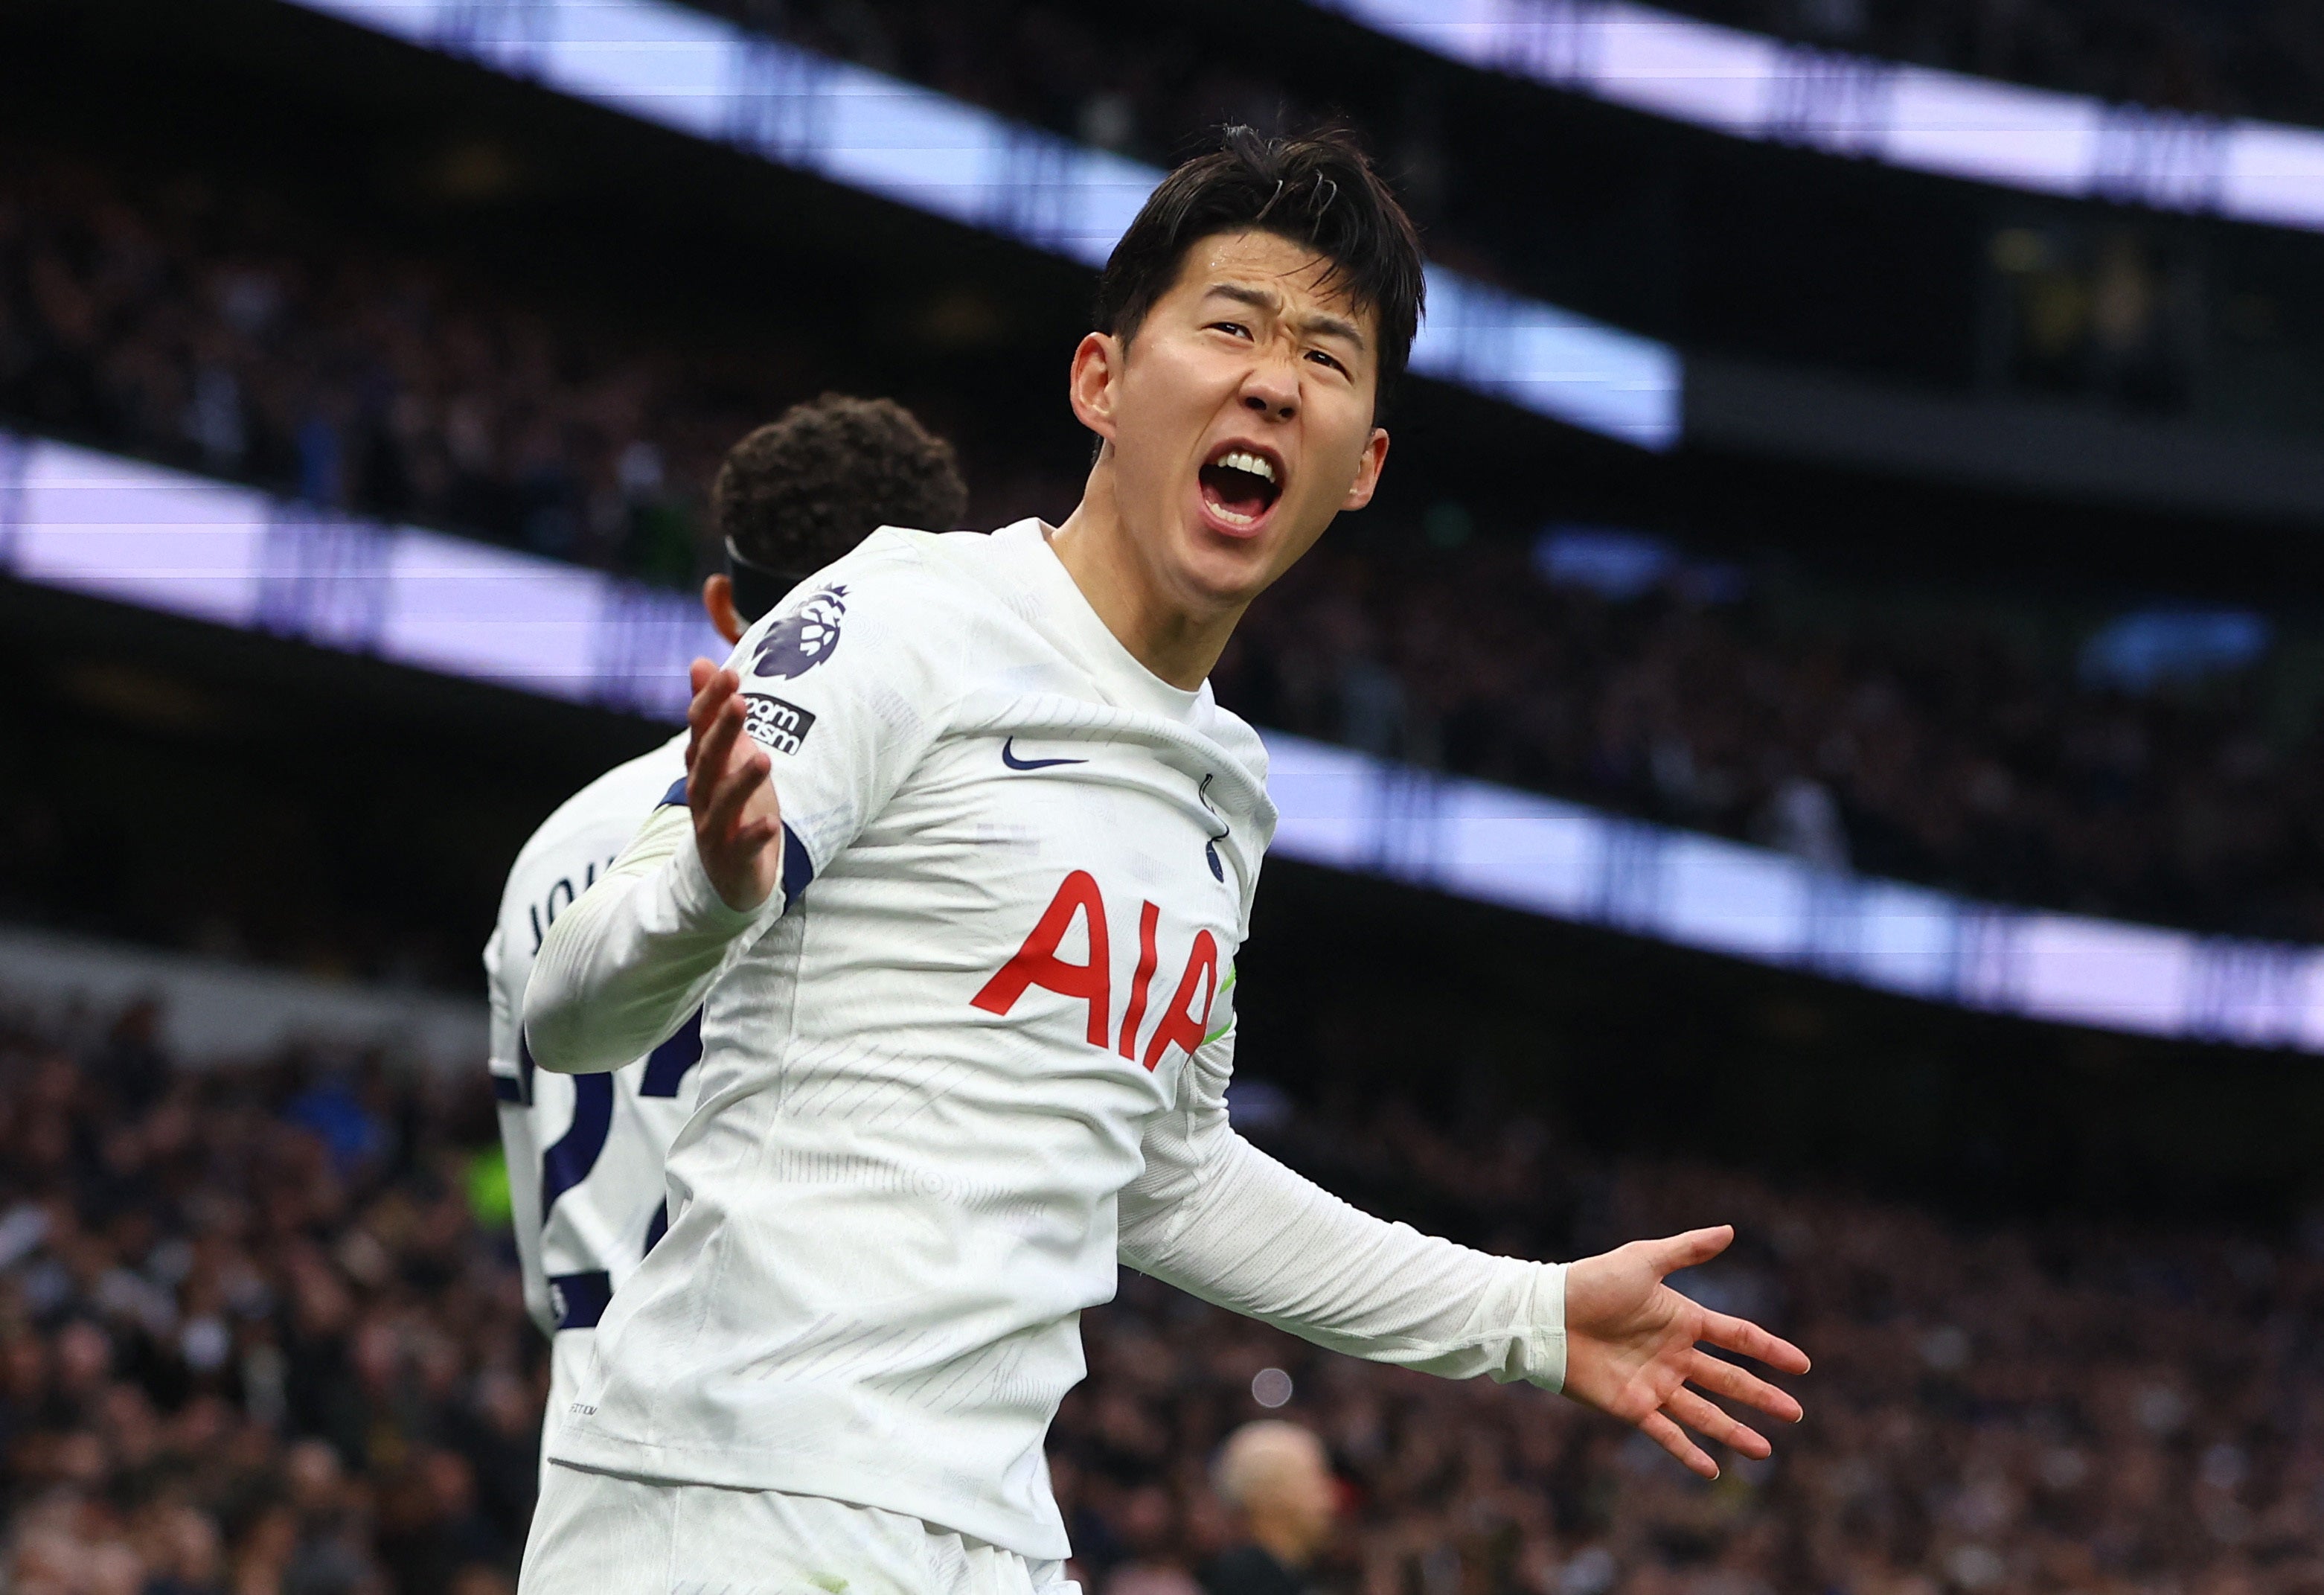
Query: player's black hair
{"points": [[1318, 191], [806, 488]]}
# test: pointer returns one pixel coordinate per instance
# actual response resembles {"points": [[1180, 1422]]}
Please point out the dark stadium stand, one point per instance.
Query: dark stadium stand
{"points": [[259, 1331], [1969, 742], [1889, 276], [219, 329], [257, 1334], [1923, 286], [218, 332], [2222, 58]]}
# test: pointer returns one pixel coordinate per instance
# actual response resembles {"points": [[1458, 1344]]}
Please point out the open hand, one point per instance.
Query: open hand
{"points": [[1632, 1348], [738, 826]]}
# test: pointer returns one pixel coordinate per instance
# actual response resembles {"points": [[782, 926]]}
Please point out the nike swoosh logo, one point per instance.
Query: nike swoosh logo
{"points": [[1013, 762]]}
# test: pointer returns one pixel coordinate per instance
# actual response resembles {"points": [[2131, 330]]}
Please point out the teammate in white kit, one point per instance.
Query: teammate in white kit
{"points": [[585, 1151], [967, 855]]}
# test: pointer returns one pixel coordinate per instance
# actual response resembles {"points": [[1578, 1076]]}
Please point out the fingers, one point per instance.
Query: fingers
{"points": [[1708, 1421], [1691, 1250], [720, 785], [728, 767], [711, 693], [712, 689], [713, 752], [1724, 1378], [730, 793], [1685, 1406], [1737, 1334], [1667, 1434]]}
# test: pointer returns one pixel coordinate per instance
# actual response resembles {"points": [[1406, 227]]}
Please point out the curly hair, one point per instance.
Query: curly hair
{"points": [[803, 489]]}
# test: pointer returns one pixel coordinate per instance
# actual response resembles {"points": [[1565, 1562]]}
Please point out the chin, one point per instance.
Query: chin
{"points": [[1225, 569]]}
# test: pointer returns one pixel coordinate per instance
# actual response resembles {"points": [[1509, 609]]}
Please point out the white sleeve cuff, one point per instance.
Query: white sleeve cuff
{"points": [[698, 906], [1545, 1342]]}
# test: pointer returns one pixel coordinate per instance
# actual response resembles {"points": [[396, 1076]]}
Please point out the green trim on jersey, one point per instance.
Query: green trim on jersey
{"points": [[1223, 989]]}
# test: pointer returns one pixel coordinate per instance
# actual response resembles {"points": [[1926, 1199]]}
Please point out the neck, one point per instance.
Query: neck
{"points": [[1286, 1544], [1177, 638]]}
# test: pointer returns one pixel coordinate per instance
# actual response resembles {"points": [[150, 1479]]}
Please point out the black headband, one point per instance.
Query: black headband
{"points": [[758, 588]]}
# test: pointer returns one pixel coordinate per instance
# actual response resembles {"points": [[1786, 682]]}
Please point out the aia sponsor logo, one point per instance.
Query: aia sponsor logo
{"points": [[1182, 1020], [805, 638]]}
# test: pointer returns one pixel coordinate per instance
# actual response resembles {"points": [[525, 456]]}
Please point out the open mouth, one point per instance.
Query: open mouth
{"points": [[1240, 485]]}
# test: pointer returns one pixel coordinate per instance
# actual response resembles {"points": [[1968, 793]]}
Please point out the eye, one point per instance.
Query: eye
{"points": [[1323, 358], [1236, 327]]}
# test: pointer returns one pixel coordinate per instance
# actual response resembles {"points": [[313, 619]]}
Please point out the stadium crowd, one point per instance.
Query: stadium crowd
{"points": [[254, 1338], [1925, 742], [260, 1333], [179, 324], [2221, 57], [1099, 76], [210, 329]]}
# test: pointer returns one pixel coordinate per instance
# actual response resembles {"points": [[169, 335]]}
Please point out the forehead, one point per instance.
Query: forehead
{"points": [[1255, 258]]}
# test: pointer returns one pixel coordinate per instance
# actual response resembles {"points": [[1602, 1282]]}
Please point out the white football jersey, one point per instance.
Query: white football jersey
{"points": [[1017, 869], [585, 1151], [972, 1050]]}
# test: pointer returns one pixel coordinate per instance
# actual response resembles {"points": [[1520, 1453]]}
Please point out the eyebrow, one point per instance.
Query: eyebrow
{"points": [[1260, 298]]}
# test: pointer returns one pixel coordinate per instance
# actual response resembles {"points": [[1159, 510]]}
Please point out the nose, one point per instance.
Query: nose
{"points": [[1271, 390]]}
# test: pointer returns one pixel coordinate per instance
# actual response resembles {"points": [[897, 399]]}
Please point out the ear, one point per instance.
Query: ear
{"points": [[718, 603], [1367, 471], [1097, 369]]}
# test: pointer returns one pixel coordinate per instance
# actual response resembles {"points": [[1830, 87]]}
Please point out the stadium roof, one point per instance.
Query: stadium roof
{"points": [[1750, 86], [670, 65]]}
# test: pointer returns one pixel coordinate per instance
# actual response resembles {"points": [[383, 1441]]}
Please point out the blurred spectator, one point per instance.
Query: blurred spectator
{"points": [[1277, 1479], [1802, 818]]}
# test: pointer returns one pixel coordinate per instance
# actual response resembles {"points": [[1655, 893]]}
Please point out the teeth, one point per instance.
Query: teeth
{"points": [[1257, 465]]}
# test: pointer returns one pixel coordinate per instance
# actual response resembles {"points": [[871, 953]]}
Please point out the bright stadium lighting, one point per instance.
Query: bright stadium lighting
{"points": [[682, 70], [142, 534], [1752, 86]]}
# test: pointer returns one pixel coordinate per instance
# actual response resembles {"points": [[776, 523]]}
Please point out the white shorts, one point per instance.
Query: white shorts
{"points": [[602, 1533]]}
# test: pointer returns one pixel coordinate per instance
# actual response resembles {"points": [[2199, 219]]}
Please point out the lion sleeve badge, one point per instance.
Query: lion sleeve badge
{"points": [[803, 639]]}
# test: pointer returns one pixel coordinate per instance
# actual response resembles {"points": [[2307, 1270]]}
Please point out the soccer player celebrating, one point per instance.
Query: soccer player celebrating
{"points": [[585, 1152], [966, 855]]}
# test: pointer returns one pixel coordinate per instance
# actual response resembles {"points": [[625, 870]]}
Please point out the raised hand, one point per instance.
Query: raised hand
{"points": [[1633, 1348], [737, 824]]}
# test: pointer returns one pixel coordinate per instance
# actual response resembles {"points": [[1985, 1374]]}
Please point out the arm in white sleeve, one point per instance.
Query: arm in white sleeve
{"points": [[1220, 1219], [621, 968], [846, 688]]}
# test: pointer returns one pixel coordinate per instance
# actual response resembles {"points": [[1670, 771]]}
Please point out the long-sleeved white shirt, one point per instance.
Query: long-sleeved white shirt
{"points": [[972, 1052]]}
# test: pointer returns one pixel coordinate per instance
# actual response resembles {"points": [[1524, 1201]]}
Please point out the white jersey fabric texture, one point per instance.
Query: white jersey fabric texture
{"points": [[973, 1053], [585, 1152], [597, 1534]]}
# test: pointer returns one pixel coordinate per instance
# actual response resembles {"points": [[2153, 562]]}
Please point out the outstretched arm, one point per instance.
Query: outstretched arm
{"points": [[1242, 1231], [1220, 1219]]}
